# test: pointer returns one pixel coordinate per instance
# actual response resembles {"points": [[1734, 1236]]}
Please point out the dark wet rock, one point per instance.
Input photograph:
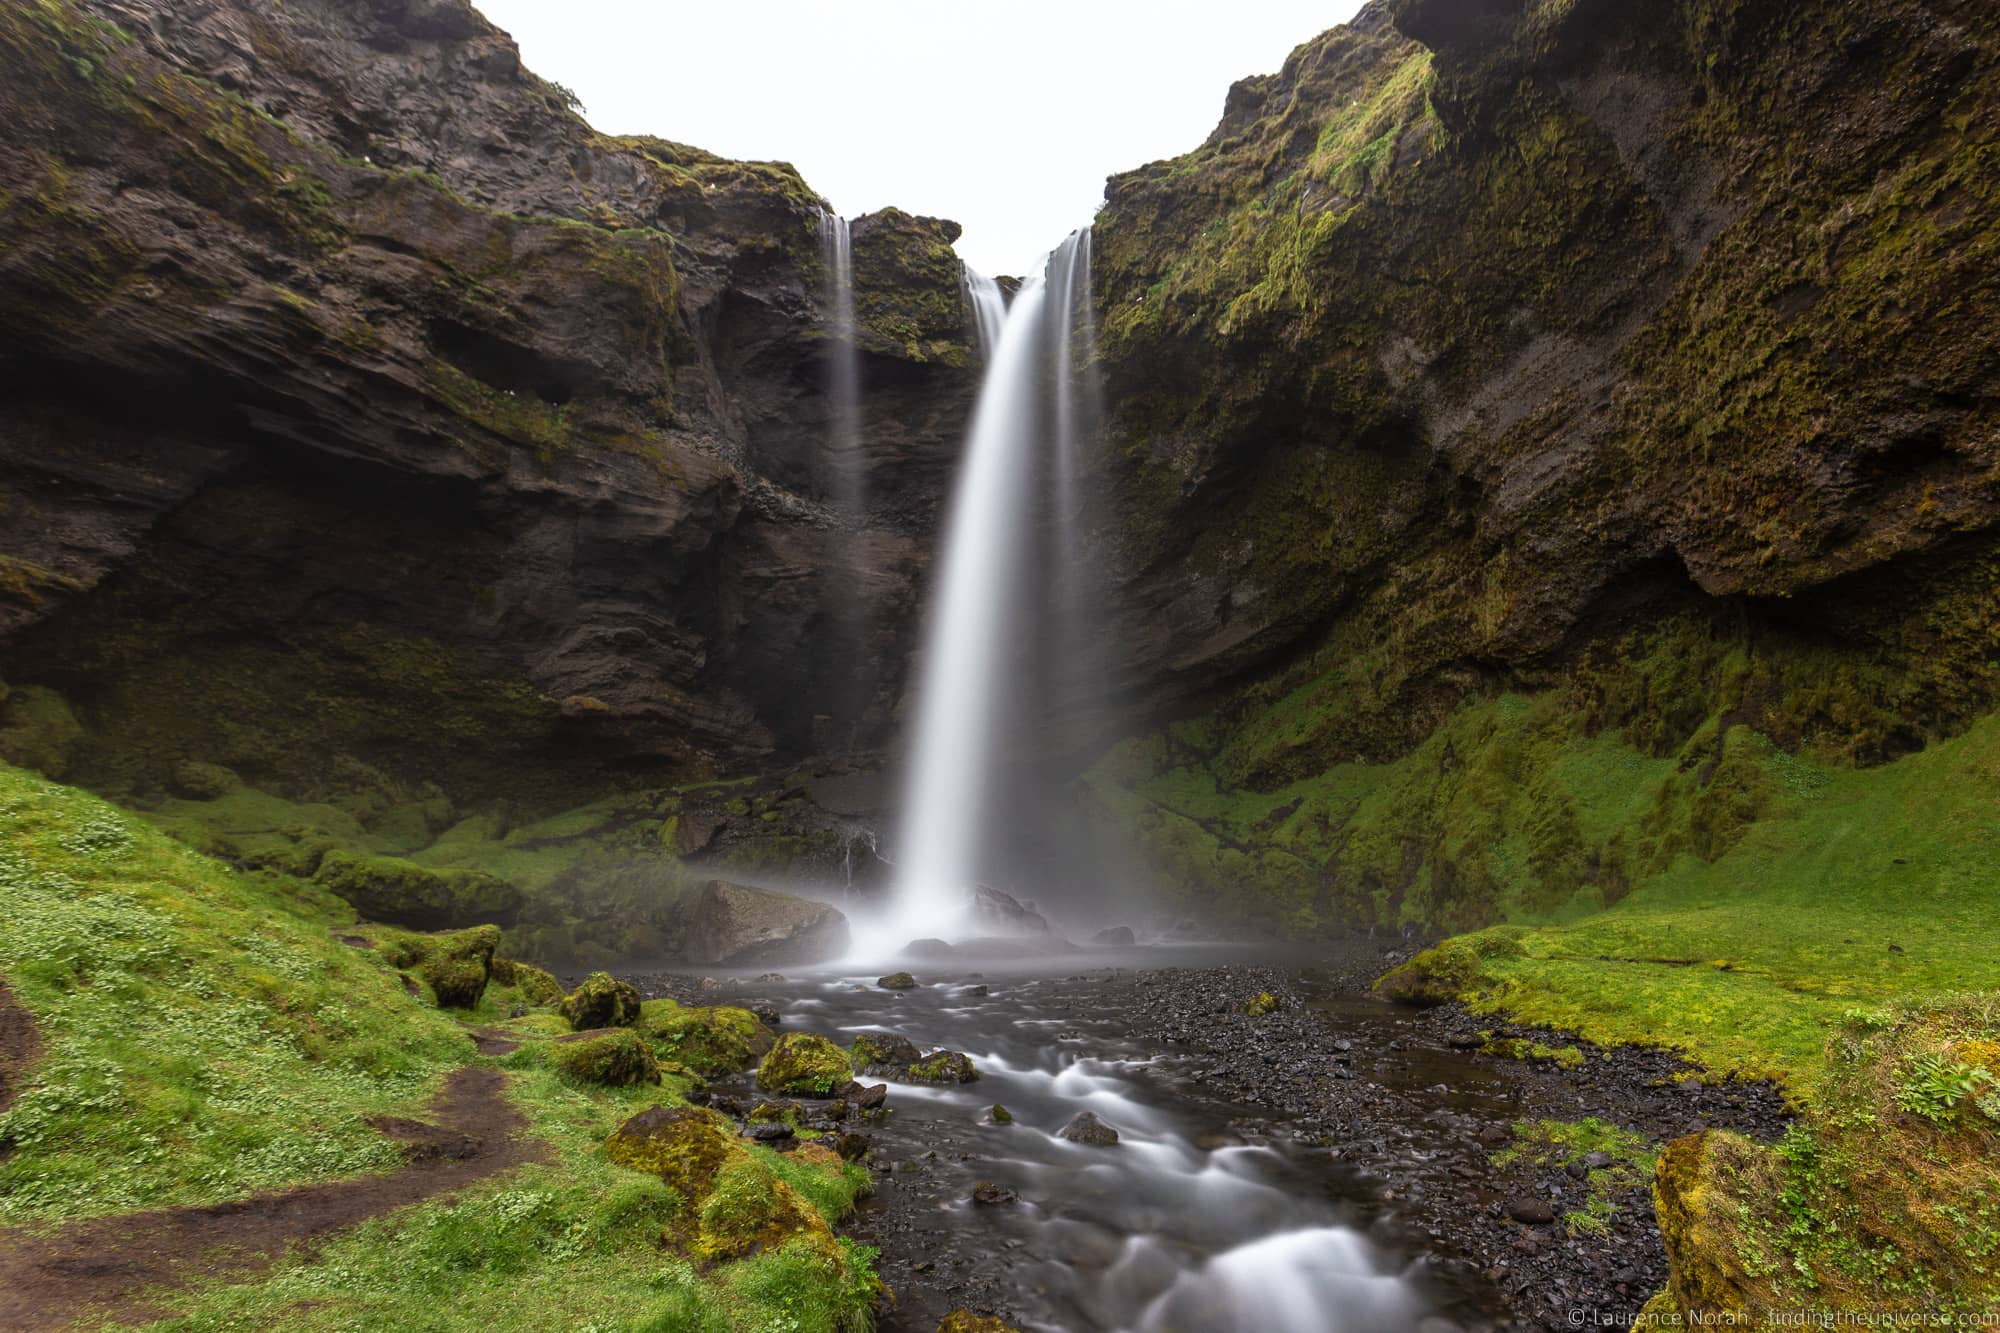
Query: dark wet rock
{"points": [[863, 1096], [1535, 1212], [765, 1012], [852, 1147], [884, 1050], [974, 990], [1115, 937], [769, 1131], [989, 1194], [897, 981], [1086, 1128]]}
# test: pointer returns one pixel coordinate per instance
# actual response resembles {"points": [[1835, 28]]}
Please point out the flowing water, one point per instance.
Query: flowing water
{"points": [[844, 484], [1185, 1225]]}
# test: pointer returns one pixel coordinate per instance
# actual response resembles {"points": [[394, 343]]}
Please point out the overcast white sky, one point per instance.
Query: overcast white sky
{"points": [[1004, 116]]}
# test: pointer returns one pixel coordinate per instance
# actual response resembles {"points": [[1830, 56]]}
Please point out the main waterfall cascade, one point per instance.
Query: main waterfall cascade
{"points": [[1003, 601]]}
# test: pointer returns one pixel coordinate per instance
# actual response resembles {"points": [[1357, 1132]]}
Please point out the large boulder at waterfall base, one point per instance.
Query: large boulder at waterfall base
{"points": [[805, 1066], [1088, 1129], [996, 913], [897, 981], [602, 1001], [731, 925], [713, 1040], [1115, 937]]}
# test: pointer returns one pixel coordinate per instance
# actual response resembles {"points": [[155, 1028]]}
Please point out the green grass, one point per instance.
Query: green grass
{"points": [[1749, 961], [207, 1035], [576, 1244]]}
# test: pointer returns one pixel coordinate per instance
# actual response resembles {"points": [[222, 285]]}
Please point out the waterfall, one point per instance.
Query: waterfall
{"points": [[979, 661], [844, 485]]}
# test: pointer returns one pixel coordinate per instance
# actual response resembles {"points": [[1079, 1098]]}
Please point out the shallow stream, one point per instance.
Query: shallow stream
{"points": [[1206, 1215]]}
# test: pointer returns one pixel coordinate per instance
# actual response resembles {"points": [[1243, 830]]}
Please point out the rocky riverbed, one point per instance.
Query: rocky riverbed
{"points": [[1244, 1077]]}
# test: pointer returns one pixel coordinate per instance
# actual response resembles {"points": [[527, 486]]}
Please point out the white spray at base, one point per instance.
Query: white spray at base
{"points": [[1025, 413]]}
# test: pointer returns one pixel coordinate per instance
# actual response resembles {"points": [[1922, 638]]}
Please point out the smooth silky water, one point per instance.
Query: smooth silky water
{"points": [[1180, 1227]]}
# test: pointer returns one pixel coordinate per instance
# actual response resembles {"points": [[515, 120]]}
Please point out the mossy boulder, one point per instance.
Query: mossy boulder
{"points": [[804, 1065], [537, 986], [38, 731], [1699, 1221], [403, 893], [601, 1001], [610, 1057], [751, 1210], [193, 780], [1085, 1128], [885, 1049], [685, 1146], [1435, 976], [714, 1040], [897, 981], [455, 966], [1262, 1003], [943, 1067]]}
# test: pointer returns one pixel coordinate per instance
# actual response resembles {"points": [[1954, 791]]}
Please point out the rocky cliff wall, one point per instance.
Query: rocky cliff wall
{"points": [[364, 404], [1635, 355]]}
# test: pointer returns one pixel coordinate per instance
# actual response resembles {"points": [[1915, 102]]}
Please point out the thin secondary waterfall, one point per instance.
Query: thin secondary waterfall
{"points": [[845, 487]]}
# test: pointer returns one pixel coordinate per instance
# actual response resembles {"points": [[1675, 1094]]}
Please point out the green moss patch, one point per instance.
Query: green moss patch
{"points": [[712, 1040], [804, 1065]]}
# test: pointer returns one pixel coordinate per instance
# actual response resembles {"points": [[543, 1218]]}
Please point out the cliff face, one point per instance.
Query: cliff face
{"points": [[1638, 352], [363, 403], [374, 428]]}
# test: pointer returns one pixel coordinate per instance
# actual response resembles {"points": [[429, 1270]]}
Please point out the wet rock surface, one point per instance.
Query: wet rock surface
{"points": [[1392, 1113]]}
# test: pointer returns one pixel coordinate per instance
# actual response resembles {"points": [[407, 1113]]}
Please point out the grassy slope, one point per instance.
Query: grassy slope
{"points": [[208, 1036], [1729, 898]]}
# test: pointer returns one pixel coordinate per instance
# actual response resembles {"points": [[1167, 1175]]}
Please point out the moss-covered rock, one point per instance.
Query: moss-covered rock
{"points": [[1435, 976], [537, 985], [685, 1146], [609, 1057], [1260, 1004], [897, 981], [965, 1321], [601, 1001], [456, 966], [943, 1067], [750, 1210], [1879, 1200], [37, 730], [804, 1065], [885, 1049], [713, 1040], [389, 888], [194, 780]]}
